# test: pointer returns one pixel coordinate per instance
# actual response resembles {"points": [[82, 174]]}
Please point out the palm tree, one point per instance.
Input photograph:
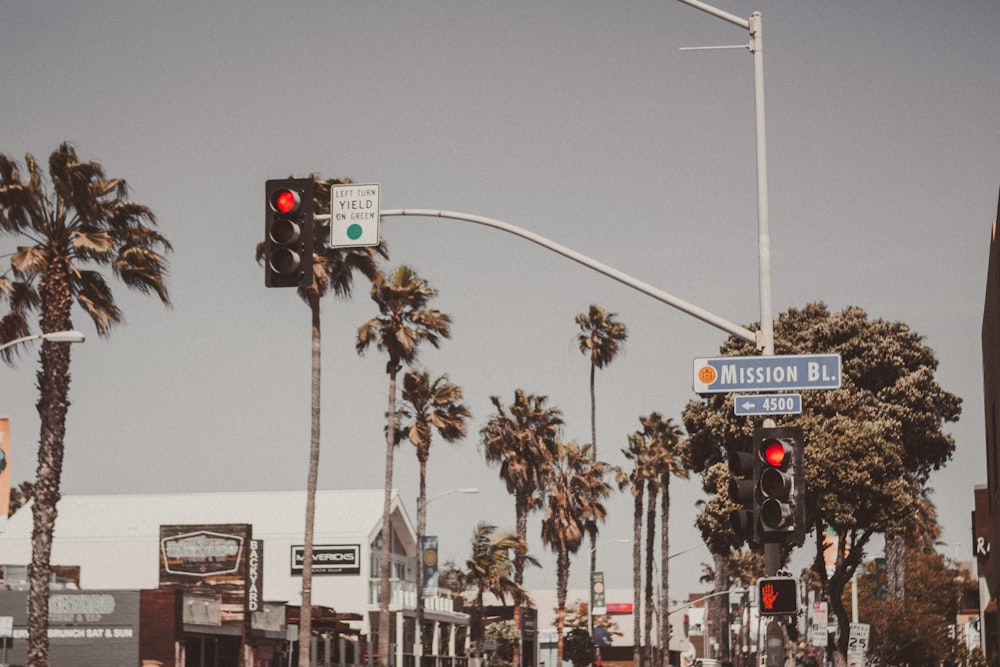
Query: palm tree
{"points": [[668, 459], [488, 570], [431, 405], [81, 221], [642, 474], [333, 270], [524, 441], [404, 322], [601, 337], [574, 507]]}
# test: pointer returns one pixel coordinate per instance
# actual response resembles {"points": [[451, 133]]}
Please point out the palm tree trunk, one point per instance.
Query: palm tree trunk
{"points": [[662, 621], [521, 509], [53, 405], [562, 579], [384, 621], [637, 576], [305, 610], [421, 532], [650, 541], [593, 536]]}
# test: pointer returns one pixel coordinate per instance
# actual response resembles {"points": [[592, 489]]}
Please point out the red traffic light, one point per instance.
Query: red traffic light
{"points": [[776, 453], [285, 201]]}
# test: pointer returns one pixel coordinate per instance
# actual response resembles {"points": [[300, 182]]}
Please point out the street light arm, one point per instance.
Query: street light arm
{"points": [[700, 313], [715, 11], [70, 336], [704, 597]]}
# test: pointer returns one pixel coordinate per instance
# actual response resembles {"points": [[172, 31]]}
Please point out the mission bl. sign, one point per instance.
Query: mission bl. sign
{"points": [[719, 375]]}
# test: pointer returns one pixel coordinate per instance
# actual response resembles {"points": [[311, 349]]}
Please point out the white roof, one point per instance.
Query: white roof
{"points": [[347, 513]]}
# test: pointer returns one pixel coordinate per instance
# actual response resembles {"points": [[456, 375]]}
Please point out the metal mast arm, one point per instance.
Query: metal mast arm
{"points": [[669, 299]]}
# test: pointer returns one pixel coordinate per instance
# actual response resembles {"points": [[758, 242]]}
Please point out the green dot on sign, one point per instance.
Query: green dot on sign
{"points": [[354, 232]]}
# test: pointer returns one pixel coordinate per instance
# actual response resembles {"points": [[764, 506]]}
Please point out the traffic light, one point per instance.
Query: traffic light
{"points": [[288, 232], [777, 596], [743, 470], [780, 484]]}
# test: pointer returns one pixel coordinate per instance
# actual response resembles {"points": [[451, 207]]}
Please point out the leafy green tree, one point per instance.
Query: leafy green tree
{"points": [[601, 337], [574, 507], [72, 225], [333, 270], [914, 629], [579, 648], [523, 440], [870, 445], [428, 406], [576, 617], [403, 323], [507, 637]]}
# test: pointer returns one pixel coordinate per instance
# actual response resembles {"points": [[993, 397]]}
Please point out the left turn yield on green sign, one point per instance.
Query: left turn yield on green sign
{"points": [[354, 215]]}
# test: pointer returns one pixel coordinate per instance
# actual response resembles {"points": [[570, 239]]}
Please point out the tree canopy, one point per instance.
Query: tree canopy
{"points": [[870, 445]]}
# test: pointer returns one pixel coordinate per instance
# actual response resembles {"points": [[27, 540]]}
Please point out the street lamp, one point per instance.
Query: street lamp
{"points": [[754, 26], [69, 336], [418, 644]]}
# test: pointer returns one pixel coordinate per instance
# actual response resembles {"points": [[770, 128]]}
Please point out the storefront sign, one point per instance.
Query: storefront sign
{"points": [[328, 559]]}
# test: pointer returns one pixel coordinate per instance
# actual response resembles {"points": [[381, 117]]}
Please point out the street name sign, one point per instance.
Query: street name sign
{"points": [[767, 404], [354, 215], [720, 375]]}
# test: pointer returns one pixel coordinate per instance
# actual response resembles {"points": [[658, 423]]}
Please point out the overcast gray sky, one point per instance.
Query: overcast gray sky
{"points": [[580, 121]]}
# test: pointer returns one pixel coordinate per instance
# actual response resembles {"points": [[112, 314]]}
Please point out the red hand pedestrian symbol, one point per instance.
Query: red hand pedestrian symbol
{"points": [[768, 596]]}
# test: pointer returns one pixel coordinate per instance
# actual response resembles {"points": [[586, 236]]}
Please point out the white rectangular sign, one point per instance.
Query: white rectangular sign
{"points": [[354, 215], [857, 643], [820, 618]]}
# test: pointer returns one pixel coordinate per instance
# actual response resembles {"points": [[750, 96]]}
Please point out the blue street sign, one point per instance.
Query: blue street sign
{"points": [[719, 375], [767, 404]]}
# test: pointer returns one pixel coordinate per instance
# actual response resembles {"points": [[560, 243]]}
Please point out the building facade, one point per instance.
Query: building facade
{"points": [[214, 573]]}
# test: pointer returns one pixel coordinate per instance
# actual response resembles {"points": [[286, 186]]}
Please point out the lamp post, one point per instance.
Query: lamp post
{"points": [[765, 342], [418, 644], [70, 336]]}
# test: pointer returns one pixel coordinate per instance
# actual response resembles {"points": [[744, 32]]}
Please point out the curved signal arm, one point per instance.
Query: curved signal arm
{"points": [[669, 299]]}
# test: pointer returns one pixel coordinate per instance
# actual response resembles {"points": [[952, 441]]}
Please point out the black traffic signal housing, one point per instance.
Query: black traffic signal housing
{"points": [[780, 484], [777, 596], [743, 472], [288, 232]]}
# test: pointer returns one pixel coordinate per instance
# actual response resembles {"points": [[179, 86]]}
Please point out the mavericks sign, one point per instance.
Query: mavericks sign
{"points": [[328, 559]]}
